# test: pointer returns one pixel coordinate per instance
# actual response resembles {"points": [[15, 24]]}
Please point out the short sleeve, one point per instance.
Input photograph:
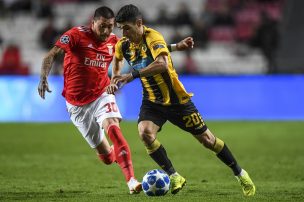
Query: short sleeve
{"points": [[68, 40], [118, 50], [157, 44]]}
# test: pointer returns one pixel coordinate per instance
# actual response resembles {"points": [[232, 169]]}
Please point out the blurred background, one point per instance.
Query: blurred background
{"points": [[247, 62]]}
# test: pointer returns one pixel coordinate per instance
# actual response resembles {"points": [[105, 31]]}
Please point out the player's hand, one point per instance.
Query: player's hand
{"points": [[122, 79], [112, 88], [43, 86], [115, 79], [125, 78], [186, 43]]}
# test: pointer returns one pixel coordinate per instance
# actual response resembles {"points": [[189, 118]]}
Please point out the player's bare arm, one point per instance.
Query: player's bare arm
{"points": [[159, 65], [116, 69], [46, 68]]}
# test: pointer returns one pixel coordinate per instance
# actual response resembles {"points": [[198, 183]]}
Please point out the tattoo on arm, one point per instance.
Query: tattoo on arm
{"points": [[48, 61]]}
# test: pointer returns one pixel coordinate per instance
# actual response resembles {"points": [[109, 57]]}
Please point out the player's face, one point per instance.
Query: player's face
{"points": [[103, 27], [132, 31]]}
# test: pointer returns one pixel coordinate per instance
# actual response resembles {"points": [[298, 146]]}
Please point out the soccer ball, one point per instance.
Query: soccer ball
{"points": [[156, 183]]}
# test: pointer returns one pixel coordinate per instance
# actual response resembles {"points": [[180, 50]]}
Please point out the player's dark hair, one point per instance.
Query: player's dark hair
{"points": [[103, 11], [128, 13]]}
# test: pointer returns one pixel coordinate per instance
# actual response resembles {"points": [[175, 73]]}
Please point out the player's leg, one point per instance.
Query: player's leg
{"points": [[84, 118], [224, 154], [105, 152], [147, 133], [188, 118], [151, 119], [122, 152], [81, 117], [108, 117], [220, 148], [121, 147]]}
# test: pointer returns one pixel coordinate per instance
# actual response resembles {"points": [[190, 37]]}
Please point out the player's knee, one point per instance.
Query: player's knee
{"points": [[144, 131], [107, 123], [145, 134], [207, 141]]}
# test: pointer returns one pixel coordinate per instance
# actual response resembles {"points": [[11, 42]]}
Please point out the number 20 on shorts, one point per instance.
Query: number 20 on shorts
{"points": [[193, 120]]}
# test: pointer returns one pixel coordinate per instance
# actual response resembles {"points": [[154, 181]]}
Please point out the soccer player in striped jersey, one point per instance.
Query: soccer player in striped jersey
{"points": [[88, 54], [164, 96]]}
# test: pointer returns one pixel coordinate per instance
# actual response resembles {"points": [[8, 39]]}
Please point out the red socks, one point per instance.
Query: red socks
{"points": [[107, 158], [122, 151]]}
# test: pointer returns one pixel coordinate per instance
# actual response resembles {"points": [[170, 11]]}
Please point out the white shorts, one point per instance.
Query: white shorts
{"points": [[88, 118]]}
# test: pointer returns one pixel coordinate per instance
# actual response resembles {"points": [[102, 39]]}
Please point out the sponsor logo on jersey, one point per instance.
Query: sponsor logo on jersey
{"points": [[98, 62], [65, 39]]}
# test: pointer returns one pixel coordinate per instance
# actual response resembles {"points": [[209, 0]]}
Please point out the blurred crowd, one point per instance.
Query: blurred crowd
{"points": [[40, 8], [252, 23]]}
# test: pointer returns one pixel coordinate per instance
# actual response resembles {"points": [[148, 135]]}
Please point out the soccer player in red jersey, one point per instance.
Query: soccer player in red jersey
{"points": [[88, 54]]}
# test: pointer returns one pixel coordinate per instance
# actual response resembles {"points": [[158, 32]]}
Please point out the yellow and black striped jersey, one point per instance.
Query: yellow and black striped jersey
{"points": [[164, 88]]}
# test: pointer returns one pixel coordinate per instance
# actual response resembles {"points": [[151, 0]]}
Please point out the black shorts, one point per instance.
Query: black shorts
{"points": [[185, 116]]}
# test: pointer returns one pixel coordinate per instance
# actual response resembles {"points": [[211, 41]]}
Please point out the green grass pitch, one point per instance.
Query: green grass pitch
{"points": [[52, 162]]}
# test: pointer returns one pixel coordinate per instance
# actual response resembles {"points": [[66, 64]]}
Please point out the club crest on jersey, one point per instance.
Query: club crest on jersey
{"points": [[110, 48], [65, 39]]}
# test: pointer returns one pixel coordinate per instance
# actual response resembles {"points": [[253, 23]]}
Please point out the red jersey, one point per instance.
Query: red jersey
{"points": [[86, 64]]}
